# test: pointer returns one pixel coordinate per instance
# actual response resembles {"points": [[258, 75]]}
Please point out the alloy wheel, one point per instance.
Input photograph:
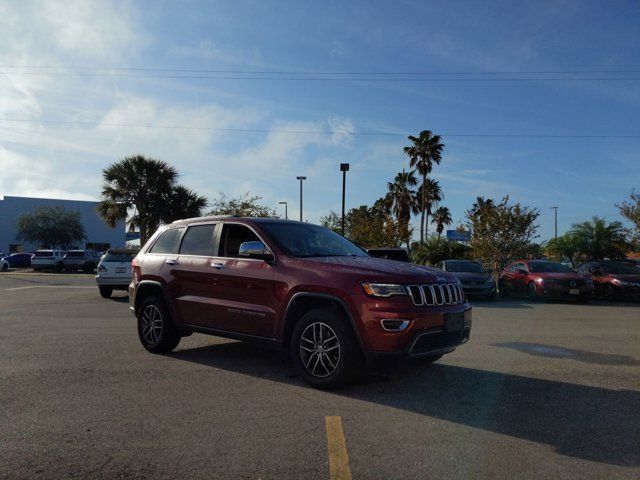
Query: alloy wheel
{"points": [[151, 324], [319, 349]]}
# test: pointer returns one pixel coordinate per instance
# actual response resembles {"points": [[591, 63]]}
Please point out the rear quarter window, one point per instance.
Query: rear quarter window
{"points": [[167, 242]]}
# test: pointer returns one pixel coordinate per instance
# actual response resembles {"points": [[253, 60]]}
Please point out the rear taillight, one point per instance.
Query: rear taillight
{"points": [[135, 269]]}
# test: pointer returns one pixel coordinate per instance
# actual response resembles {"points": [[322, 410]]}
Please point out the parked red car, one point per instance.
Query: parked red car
{"points": [[613, 280], [297, 285], [542, 278]]}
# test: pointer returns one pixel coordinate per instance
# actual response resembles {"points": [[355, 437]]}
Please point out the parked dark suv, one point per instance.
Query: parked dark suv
{"points": [[301, 286]]}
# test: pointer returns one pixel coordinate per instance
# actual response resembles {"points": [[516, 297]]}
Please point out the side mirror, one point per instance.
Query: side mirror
{"points": [[255, 249]]}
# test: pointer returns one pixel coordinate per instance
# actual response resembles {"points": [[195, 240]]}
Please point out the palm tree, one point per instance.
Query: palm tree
{"points": [[442, 218], [425, 151], [481, 206], [431, 192], [596, 239], [144, 191], [401, 201], [184, 203]]}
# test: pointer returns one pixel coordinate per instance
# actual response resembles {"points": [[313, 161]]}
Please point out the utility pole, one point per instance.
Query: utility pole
{"points": [[286, 210], [344, 168], [301, 179], [556, 220]]}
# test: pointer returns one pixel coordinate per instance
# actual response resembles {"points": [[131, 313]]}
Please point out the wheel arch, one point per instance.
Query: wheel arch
{"points": [[303, 302]]}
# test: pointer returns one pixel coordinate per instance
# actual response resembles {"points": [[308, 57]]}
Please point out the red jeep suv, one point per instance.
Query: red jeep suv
{"points": [[294, 284]]}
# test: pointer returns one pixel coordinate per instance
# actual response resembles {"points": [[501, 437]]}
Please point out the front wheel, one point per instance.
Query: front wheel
{"points": [[429, 359], [502, 288], [324, 349], [155, 329], [533, 292]]}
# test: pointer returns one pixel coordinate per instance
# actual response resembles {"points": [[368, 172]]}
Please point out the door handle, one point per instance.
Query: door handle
{"points": [[218, 265], [171, 261]]}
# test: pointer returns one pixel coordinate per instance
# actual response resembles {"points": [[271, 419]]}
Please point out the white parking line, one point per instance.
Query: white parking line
{"points": [[47, 286]]}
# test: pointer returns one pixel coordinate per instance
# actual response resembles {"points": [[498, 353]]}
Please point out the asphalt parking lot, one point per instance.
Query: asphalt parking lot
{"points": [[541, 390]]}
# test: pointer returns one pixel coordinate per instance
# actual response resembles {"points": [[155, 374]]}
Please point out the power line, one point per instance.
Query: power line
{"points": [[315, 132], [304, 72], [328, 79]]}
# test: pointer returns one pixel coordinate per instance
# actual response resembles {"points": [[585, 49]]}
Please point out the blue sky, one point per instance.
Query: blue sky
{"points": [[583, 176]]}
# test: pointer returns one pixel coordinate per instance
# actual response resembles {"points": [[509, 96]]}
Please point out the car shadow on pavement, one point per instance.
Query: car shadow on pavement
{"points": [[590, 423], [553, 351]]}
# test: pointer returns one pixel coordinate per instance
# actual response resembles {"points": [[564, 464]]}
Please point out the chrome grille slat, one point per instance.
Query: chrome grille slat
{"points": [[436, 294]]}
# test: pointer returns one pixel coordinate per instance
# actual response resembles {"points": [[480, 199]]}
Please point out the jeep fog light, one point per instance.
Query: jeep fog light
{"points": [[394, 325]]}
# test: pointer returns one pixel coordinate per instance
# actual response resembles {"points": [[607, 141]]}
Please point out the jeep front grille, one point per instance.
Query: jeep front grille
{"points": [[436, 294]]}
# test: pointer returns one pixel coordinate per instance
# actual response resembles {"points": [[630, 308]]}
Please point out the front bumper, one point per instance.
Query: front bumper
{"points": [[562, 291], [425, 333], [482, 290]]}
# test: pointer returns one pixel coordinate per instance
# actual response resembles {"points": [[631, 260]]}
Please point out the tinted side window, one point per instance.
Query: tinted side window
{"points": [[167, 242], [198, 240], [232, 236]]}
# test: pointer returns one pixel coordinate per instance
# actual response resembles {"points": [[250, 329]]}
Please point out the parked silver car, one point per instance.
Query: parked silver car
{"points": [[114, 271], [85, 260]]}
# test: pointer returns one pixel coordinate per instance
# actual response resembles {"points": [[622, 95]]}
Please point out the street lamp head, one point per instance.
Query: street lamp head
{"points": [[301, 178], [344, 167], [282, 203]]}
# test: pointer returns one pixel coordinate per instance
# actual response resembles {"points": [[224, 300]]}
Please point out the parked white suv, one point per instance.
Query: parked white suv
{"points": [[114, 271], [47, 259]]}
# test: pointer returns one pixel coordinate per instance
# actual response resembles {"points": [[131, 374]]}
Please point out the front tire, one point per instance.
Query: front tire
{"points": [[533, 293], [324, 349], [155, 329], [429, 359], [502, 288]]}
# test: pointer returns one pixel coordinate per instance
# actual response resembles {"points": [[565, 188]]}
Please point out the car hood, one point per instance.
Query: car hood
{"points": [[625, 278], [466, 277], [559, 275], [379, 269]]}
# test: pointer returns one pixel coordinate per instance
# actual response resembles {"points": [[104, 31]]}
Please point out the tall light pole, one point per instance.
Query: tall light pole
{"points": [[286, 210], [556, 220], [344, 168], [301, 179]]}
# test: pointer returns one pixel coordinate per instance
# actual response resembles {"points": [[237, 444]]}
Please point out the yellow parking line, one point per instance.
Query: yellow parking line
{"points": [[338, 458]]}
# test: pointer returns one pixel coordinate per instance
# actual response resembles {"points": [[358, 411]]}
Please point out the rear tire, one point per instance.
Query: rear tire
{"points": [[105, 292], [155, 328], [324, 349]]}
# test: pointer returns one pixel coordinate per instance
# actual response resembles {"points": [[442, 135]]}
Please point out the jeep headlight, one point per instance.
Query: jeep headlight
{"points": [[383, 289]]}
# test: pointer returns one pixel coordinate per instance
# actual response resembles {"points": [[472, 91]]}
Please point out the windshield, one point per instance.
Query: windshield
{"points": [[307, 240], [548, 267], [621, 268], [460, 266]]}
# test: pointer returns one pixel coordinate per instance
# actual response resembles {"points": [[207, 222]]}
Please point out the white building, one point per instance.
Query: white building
{"points": [[99, 236]]}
